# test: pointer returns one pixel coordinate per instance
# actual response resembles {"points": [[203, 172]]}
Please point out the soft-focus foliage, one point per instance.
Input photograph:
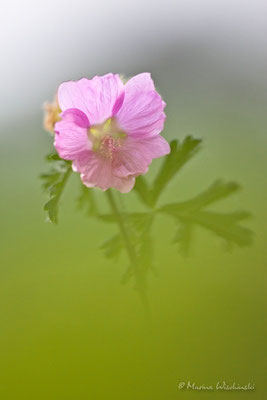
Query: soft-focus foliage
{"points": [[193, 212], [86, 201], [187, 215], [180, 154], [54, 182]]}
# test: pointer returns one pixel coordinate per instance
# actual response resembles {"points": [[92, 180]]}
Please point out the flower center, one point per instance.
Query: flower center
{"points": [[107, 138]]}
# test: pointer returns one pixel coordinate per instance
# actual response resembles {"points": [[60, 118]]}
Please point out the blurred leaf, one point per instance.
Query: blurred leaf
{"points": [[86, 201], [225, 226], [140, 225], [142, 188], [140, 222], [139, 229], [180, 154], [53, 157], [146, 250], [54, 182], [50, 179], [217, 191], [183, 238], [191, 212], [113, 247]]}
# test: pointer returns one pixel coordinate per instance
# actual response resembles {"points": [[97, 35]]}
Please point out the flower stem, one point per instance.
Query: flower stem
{"points": [[140, 286]]}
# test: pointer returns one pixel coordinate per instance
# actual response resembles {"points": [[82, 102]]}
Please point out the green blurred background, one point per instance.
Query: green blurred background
{"points": [[69, 329]]}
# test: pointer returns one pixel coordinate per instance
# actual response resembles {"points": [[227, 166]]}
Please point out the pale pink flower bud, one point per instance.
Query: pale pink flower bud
{"points": [[51, 115]]}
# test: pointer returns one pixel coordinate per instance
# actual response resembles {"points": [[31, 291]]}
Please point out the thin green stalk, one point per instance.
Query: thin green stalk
{"points": [[131, 252]]}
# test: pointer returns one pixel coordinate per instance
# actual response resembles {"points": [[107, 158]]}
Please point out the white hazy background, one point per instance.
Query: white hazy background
{"points": [[46, 42]]}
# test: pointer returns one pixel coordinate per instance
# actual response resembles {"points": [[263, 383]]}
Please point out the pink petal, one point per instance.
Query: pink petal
{"points": [[96, 171], [136, 155], [141, 82], [141, 113], [95, 97], [71, 134], [118, 103]]}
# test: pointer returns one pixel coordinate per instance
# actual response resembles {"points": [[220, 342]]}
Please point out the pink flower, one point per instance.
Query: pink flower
{"points": [[110, 130]]}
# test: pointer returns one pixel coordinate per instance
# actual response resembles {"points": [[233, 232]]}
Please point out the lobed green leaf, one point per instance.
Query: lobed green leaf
{"points": [[54, 182]]}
